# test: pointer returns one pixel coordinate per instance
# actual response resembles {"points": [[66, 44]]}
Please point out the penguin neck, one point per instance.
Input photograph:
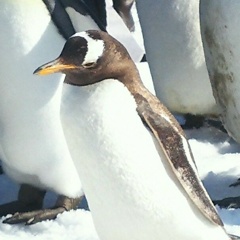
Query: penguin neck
{"points": [[131, 79]]}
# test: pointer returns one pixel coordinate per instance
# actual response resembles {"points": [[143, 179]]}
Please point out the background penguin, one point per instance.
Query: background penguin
{"points": [[33, 149], [123, 7], [220, 36], [122, 33], [137, 168], [38, 125], [175, 55]]}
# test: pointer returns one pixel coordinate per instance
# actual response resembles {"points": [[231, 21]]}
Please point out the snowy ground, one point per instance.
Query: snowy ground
{"points": [[217, 158]]}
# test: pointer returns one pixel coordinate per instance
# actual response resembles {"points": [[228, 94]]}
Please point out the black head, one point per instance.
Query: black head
{"points": [[89, 57]]}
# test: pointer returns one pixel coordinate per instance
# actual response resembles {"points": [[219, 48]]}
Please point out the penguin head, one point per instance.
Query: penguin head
{"points": [[89, 57]]}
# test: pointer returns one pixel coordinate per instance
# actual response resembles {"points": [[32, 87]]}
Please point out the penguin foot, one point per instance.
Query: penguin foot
{"points": [[33, 217], [29, 199], [231, 202], [63, 204], [216, 123], [198, 121], [193, 121], [17, 206], [27, 209]]}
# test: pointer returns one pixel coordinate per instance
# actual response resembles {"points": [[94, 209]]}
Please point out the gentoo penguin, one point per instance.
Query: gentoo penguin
{"points": [[137, 169], [175, 55], [33, 148], [220, 36]]}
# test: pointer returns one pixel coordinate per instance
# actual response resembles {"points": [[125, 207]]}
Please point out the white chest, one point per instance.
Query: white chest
{"points": [[31, 135], [174, 50], [28, 39], [130, 189]]}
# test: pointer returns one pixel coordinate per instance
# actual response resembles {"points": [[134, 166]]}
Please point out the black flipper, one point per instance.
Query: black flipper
{"points": [[178, 153], [57, 9]]}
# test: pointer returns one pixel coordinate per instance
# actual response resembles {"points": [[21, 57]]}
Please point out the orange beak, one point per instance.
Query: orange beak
{"points": [[53, 67]]}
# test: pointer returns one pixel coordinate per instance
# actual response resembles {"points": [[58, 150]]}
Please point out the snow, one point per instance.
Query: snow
{"points": [[217, 159], [73, 225]]}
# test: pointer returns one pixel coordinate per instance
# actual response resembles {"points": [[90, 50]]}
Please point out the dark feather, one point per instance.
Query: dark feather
{"points": [[182, 164], [57, 9]]}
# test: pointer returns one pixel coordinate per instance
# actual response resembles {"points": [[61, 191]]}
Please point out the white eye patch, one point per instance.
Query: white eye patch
{"points": [[95, 47]]}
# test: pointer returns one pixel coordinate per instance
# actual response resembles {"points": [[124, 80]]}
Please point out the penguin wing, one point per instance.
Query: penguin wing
{"points": [[179, 156], [64, 20], [96, 9], [60, 17]]}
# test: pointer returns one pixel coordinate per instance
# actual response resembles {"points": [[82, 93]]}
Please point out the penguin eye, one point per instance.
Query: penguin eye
{"points": [[89, 65]]}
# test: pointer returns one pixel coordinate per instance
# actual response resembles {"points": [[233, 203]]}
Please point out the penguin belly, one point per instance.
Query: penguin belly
{"points": [[131, 190], [220, 32], [33, 146], [175, 55]]}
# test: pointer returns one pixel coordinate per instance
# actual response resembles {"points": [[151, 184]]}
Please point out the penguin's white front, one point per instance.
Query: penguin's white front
{"points": [[175, 55], [131, 190], [33, 146]]}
